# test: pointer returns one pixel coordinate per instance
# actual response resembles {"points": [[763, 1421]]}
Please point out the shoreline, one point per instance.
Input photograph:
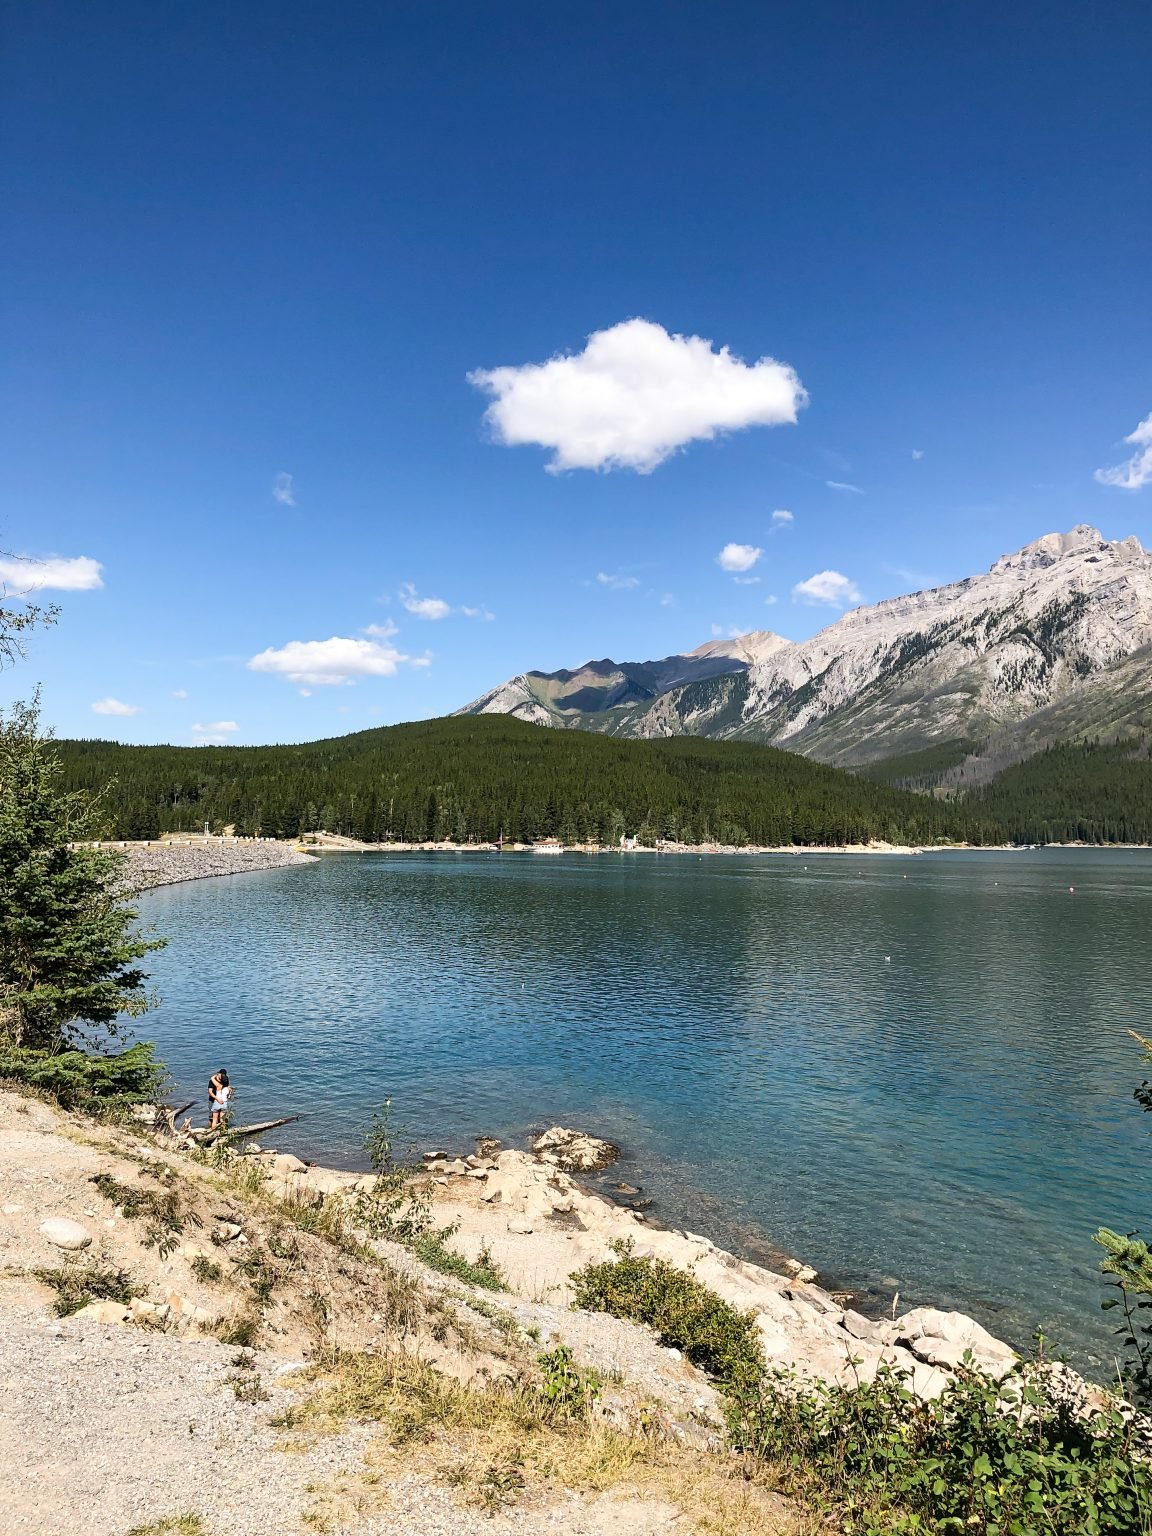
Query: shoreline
{"points": [[539, 1220]]}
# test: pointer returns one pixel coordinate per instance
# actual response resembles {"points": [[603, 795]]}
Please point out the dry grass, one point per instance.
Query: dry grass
{"points": [[500, 1442]]}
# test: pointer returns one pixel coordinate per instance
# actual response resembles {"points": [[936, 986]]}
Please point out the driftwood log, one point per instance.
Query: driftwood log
{"points": [[164, 1124]]}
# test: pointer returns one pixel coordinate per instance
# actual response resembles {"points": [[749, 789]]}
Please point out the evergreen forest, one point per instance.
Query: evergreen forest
{"points": [[475, 778]]}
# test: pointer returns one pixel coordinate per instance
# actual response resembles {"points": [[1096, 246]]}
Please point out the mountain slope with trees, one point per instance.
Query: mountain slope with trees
{"points": [[476, 777]]}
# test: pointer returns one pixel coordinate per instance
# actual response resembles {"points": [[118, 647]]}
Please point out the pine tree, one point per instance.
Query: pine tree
{"points": [[68, 947]]}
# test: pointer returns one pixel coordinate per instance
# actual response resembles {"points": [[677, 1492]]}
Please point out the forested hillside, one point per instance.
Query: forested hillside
{"points": [[1074, 792], [475, 777]]}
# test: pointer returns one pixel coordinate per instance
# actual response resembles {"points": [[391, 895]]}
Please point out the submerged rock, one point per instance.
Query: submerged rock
{"points": [[574, 1151]]}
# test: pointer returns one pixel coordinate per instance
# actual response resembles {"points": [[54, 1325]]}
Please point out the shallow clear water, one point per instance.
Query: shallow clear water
{"points": [[912, 1072]]}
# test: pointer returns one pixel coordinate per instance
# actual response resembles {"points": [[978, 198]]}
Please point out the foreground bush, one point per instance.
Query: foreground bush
{"points": [[80, 1081], [1008, 1457], [718, 1338], [991, 1458]]}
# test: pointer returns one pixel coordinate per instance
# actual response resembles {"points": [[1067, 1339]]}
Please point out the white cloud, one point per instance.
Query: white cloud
{"points": [[770, 599], [738, 557], [633, 397], [1136, 471], [215, 734], [917, 453], [423, 607], [56, 574], [781, 518], [842, 485], [746, 581], [111, 706], [727, 631], [283, 490], [383, 631], [617, 583], [828, 587], [328, 663], [481, 613], [179, 693], [668, 600]]}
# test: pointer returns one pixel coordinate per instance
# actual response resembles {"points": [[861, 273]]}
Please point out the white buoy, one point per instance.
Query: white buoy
{"points": [[887, 959]]}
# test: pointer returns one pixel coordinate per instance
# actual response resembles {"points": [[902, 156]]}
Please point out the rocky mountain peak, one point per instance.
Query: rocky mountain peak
{"points": [[1080, 541]]}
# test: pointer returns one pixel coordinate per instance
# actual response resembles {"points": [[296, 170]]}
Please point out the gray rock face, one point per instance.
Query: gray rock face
{"points": [[66, 1234], [951, 662]]}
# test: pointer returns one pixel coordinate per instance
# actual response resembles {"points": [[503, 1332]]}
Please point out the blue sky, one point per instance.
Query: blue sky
{"points": [[255, 254]]}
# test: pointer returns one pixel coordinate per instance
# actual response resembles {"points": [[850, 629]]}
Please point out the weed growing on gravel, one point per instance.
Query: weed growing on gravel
{"points": [[172, 1525], [163, 1209], [242, 1329], [206, 1270], [431, 1249], [77, 1282], [568, 1390]]}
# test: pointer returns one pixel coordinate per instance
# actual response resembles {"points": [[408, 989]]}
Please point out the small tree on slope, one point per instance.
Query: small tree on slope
{"points": [[68, 947]]}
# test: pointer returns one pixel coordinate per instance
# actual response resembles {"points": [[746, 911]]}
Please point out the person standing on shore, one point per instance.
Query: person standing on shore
{"points": [[219, 1098]]}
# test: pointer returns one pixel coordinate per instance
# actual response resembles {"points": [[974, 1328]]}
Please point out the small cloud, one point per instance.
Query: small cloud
{"points": [[917, 453], [111, 706], [829, 588], [483, 614], [842, 485], [634, 396], [1136, 471], [383, 631], [432, 608], [727, 631], [283, 490], [55, 574], [420, 661], [179, 693], [667, 601], [738, 557], [781, 518], [215, 734], [617, 583], [329, 663], [770, 599], [746, 581]]}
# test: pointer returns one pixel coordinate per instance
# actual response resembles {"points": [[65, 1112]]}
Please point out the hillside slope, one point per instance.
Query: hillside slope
{"points": [[473, 779]]}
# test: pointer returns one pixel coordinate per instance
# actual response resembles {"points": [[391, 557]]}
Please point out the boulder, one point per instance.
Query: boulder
{"points": [[488, 1146], [284, 1162], [522, 1225], [105, 1312], [574, 1151], [66, 1234]]}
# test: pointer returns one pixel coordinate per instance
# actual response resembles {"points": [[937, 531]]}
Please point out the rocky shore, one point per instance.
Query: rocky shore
{"points": [[153, 864]]}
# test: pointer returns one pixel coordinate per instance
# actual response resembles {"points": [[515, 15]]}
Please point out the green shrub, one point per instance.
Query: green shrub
{"points": [[80, 1081], [686, 1315], [569, 1392], [995, 1458]]}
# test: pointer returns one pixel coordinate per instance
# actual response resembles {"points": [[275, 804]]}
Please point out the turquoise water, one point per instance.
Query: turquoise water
{"points": [[912, 1072]]}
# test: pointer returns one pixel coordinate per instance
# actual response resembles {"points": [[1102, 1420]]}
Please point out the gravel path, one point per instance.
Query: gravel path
{"points": [[105, 1429], [151, 864]]}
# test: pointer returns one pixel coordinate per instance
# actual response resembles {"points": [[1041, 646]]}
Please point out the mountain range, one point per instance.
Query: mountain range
{"points": [[1053, 644]]}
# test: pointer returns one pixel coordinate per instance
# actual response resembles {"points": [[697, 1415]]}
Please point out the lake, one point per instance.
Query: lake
{"points": [[911, 1072]]}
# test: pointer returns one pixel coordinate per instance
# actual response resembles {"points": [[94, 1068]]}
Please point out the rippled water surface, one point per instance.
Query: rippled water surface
{"points": [[912, 1072]]}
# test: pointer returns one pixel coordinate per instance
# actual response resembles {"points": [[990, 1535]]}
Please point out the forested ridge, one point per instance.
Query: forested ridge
{"points": [[1074, 792], [476, 777]]}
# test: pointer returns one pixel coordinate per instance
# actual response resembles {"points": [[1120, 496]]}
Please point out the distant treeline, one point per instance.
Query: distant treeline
{"points": [[1074, 792], [473, 778]]}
